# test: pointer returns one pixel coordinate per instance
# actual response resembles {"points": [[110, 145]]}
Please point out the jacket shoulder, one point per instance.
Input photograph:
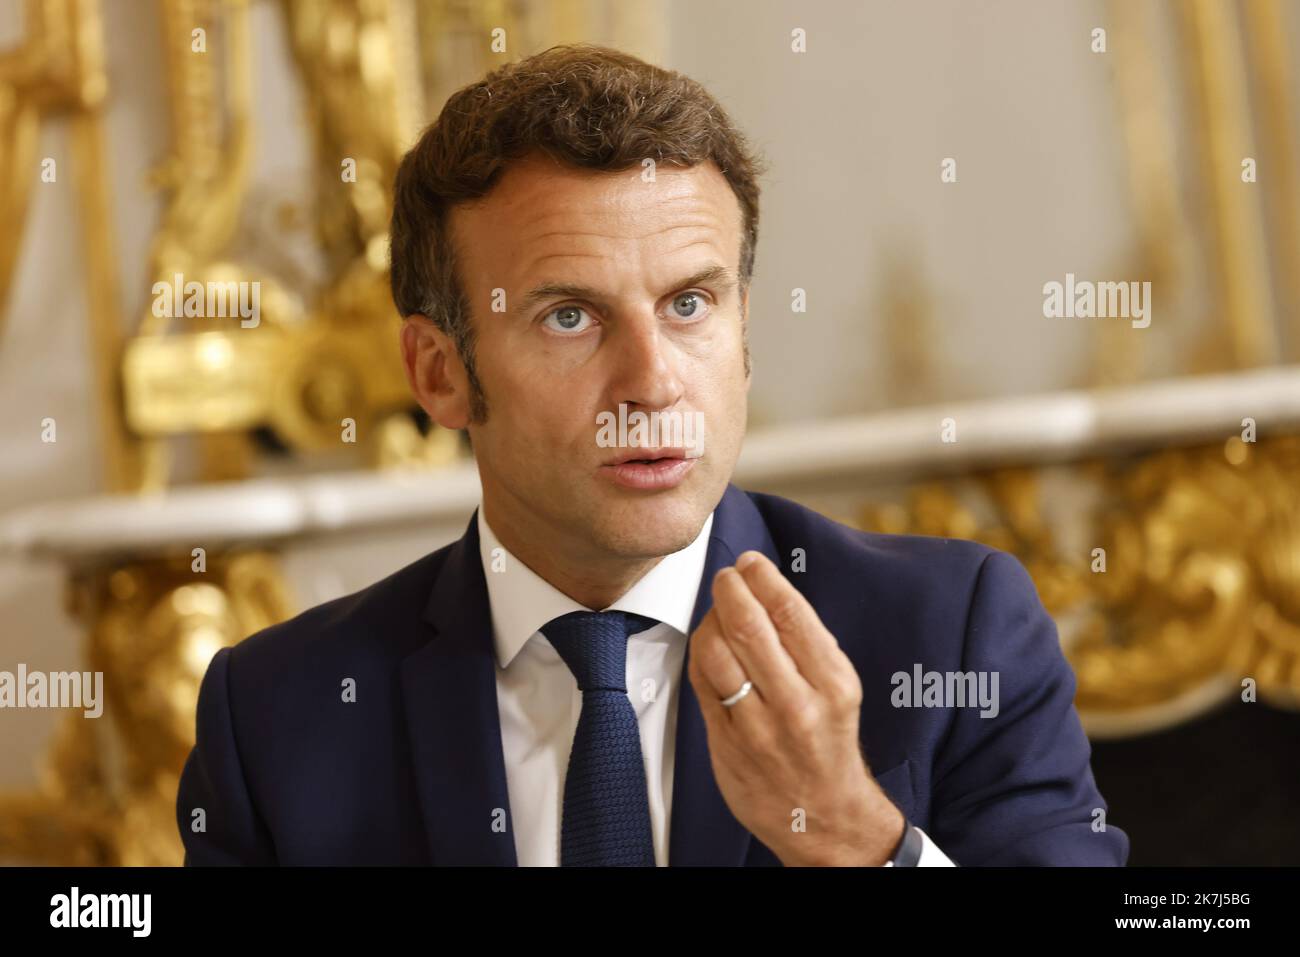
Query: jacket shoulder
{"points": [[382, 617], [911, 560], [913, 593]]}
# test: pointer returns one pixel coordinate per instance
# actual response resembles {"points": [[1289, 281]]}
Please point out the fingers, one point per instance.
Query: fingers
{"points": [[762, 629], [753, 639], [716, 673], [813, 649], [713, 657]]}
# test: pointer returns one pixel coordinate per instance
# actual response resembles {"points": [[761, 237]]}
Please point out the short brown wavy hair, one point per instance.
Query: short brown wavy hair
{"points": [[588, 106]]}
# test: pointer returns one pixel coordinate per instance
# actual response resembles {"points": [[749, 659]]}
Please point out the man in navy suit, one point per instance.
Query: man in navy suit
{"points": [[626, 659]]}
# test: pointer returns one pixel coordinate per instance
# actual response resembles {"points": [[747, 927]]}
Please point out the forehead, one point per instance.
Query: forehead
{"points": [[542, 216]]}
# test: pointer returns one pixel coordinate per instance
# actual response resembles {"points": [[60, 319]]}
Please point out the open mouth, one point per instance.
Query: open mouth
{"points": [[653, 472], [652, 456]]}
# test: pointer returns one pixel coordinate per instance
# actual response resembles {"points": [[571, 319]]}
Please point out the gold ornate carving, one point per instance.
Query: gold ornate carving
{"points": [[58, 68], [1201, 582], [108, 791], [1202, 578], [311, 374]]}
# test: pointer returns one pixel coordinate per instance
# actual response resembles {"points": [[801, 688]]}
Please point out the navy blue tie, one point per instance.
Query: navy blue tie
{"points": [[606, 820]]}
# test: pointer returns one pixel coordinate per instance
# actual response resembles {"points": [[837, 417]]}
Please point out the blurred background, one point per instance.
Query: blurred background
{"points": [[169, 485]]}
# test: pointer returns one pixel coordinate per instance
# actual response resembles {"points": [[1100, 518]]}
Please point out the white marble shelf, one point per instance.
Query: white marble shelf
{"points": [[1044, 428]]}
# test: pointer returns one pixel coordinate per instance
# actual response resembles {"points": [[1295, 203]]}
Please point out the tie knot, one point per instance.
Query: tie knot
{"points": [[594, 646]]}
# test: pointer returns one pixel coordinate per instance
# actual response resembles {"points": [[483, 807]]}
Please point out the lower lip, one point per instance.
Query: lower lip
{"points": [[661, 474]]}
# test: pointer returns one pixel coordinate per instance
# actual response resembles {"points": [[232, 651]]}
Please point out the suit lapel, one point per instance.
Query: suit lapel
{"points": [[450, 699], [704, 831]]}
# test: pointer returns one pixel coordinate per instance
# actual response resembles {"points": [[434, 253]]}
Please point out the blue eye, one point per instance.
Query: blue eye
{"points": [[688, 305], [567, 319]]}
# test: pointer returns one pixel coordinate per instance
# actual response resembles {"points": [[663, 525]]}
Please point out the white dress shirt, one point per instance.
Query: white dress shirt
{"points": [[539, 702]]}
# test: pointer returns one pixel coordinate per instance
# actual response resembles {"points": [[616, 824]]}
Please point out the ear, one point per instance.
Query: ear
{"points": [[434, 372]]}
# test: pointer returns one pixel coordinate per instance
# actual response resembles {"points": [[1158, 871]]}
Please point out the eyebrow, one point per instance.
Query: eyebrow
{"points": [[566, 290]]}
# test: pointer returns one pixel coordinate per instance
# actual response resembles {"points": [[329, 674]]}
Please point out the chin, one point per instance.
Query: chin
{"points": [[652, 526]]}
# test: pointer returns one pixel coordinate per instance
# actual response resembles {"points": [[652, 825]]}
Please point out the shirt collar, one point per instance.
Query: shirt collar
{"points": [[522, 601]]}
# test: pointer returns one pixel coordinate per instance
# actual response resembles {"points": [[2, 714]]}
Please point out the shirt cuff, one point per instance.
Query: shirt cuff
{"points": [[931, 856]]}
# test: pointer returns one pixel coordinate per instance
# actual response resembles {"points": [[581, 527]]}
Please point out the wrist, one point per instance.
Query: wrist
{"points": [[873, 842]]}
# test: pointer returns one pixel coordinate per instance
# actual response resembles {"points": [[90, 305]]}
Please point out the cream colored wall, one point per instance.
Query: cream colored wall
{"points": [[856, 128]]}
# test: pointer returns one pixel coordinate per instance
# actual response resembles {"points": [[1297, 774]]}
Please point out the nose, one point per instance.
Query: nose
{"points": [[646, 371]]}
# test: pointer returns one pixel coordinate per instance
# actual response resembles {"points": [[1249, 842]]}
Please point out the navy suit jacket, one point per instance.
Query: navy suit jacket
{"points": [[411, 772]]}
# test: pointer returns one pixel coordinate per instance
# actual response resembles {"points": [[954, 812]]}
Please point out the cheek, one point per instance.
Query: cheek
{"points": [[545, 413], [727, 352], [717, 376]]}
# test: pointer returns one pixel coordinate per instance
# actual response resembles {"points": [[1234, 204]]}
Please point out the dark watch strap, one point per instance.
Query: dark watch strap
{"points": [[908, 852]]}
